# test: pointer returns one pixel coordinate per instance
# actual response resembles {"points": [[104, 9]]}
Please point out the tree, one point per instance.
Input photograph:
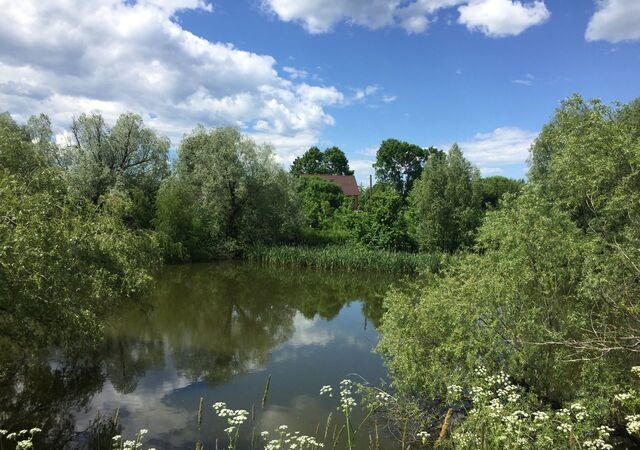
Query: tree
{"points": [[399, 164], [381, 223], [336, 162], [445, 204], [550, 293], [494, 188], [130, 152], [332, 161], [226, 192], [311, 162], [320, 198], [602, 191], [63, 262]]}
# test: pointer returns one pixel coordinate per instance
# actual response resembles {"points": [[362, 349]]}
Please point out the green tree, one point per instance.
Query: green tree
{"points": [[381, 222], [336, 162], [332, 161], [320, 198], [445, 204], [399, 164], [226, 192], [63, 263], [494, 188], [586, 159], [129, 153], [550, 293]]}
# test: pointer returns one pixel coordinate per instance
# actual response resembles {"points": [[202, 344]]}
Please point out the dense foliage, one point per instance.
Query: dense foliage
{"points": [[320, 199], [492, 189], [63, 260], [316, 162], [550, 293], [225, 193], [445, 203], [399, 164], [381, 223]]}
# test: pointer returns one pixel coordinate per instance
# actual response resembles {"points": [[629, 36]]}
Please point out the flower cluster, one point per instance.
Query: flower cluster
{"points": [[623, 397], [633, 424], [23, 438], [136, 444], [423, 436], [326, 390], [600, 442], [347, 402], [285, 440], [233, 417], [516, 420], [383, 398]]}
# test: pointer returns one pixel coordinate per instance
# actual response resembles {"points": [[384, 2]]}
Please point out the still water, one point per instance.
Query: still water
{"points": [[212, 331]]}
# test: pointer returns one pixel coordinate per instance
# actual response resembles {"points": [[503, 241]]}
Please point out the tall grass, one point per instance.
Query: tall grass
{"points": [[347, 258]]}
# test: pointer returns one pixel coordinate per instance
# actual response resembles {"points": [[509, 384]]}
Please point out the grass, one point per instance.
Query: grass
{"points": [[346, 258]]}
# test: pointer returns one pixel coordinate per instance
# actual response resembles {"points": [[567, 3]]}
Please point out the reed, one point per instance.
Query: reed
{"points": [[266, 391], [347, 258]]}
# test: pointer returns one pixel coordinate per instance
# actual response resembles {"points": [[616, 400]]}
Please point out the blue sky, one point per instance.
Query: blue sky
{"points": [[485, 73]]}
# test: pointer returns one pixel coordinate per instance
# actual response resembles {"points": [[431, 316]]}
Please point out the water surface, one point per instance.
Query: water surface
{"points": [[215, 331]]}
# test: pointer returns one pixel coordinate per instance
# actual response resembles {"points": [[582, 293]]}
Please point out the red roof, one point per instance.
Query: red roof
{"points": [[346, 182]]}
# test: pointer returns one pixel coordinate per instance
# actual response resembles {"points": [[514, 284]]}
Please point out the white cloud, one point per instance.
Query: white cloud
{"points": [[500, 147], [371, 90], [294, 73], [319, 16], [65, 57], [615, 21], [389, 98], [526, 81], [488, 171], [362, 169], [499, 18], [369, 151], [493, 17]]}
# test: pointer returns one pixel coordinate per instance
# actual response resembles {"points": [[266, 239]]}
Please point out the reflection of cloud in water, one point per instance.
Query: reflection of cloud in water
{"points": [[298, 415], [143, 408], [310, 332]]}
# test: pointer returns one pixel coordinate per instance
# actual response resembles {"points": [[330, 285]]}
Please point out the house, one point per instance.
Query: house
{"points": [[347, 183]]}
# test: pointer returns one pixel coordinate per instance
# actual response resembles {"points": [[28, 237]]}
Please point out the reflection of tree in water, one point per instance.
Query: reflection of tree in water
{"points": [[34, 391], [223, 319], [127, 358], [218, 321]]}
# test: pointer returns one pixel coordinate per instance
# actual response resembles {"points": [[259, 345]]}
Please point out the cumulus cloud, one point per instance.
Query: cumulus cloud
{"points": [[492, 17], [499, 18], [500, 147], [615, 21], [319, 16], [65, 57]]}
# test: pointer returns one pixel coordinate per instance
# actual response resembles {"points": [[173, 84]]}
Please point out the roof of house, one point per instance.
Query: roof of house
{"points": [[346, 182]]}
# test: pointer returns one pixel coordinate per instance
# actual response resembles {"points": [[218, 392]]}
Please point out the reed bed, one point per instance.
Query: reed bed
{"points": [[347, 258]]}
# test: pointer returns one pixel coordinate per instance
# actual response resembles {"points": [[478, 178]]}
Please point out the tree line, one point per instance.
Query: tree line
{"points": [[86, 221]]}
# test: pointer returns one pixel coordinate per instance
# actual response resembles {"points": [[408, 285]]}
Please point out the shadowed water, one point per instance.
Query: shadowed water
{"points": [[215, 331]]}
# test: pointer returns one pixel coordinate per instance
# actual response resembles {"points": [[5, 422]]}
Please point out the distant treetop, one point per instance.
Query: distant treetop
{"points": [[332, 161]]}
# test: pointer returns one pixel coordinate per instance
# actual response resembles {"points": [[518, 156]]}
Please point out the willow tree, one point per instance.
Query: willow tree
{"points": [[227, 191]]}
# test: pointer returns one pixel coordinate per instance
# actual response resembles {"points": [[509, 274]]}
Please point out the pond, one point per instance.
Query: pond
{"points": [[211, 331]]}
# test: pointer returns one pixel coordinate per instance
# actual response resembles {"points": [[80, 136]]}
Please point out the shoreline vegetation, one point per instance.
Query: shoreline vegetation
{"points": [[523, 301], [347, 258]]}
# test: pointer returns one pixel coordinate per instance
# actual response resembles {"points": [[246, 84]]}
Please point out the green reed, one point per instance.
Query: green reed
{"points": [[347, 258]]}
